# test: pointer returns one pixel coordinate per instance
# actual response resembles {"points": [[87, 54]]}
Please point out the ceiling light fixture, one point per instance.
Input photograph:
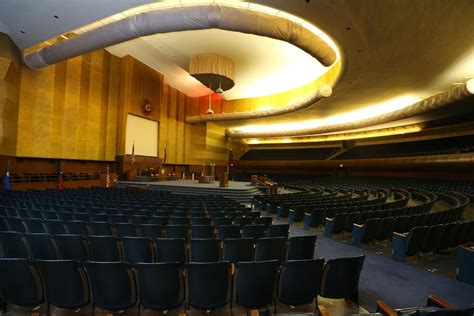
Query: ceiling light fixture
{"points": [[210, 110]]}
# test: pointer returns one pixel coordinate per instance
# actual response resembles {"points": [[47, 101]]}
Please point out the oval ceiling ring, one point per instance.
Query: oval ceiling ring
{"points": [[186, 18]]}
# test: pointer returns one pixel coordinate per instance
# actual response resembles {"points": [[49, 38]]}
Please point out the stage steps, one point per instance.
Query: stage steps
{"points": [[243, 196]]}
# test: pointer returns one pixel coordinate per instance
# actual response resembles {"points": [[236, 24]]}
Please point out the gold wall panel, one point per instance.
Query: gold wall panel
{"points": [[69, 110], [10, 69]]}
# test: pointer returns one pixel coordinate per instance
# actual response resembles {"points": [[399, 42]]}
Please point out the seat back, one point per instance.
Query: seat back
{"points": [[204, 250], [78, 228], [384, 229], [218, 221], [73, 247], [65, 282], [202, 231], [255, 283], [278, 230], [137, 249], [100, 229], [341, 278], [270, 248], [299, 281], [255, 231], [105, 248], [238, 249], [432, 239], [125, 230], [415, 240], [20, 282], [166, 294], [301, 247], [370, 230], [171, 250], [339, 223], [229, 231], [42, 246], [113, 285], [266, 220], [34, 225], [55, 227], [15, 224], [150, 231], [208, 284], [176, 231], [13, 245]]}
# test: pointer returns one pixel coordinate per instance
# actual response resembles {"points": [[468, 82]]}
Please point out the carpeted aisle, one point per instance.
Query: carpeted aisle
{"points": [[398, 284]]}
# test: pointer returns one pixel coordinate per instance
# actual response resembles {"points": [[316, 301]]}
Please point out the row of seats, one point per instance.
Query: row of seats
{"points": [[431, 238], [382, 228], [139, 249], [115, 217], [209, 286], [161, 229]]}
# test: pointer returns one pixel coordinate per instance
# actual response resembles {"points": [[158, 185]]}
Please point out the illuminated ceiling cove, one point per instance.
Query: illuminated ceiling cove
{"points": [[392, 55]]}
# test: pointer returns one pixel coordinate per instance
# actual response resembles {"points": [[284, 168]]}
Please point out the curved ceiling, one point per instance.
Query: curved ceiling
{"points": [[255, 71], [391, 48]]}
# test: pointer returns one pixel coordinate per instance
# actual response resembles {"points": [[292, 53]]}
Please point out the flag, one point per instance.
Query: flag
{"points": [[60, 181], [6, 178], [164, 158], [133, 153], [107, 178]]}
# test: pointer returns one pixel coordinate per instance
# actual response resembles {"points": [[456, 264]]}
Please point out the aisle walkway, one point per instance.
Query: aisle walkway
{"points": [[397, 284]]}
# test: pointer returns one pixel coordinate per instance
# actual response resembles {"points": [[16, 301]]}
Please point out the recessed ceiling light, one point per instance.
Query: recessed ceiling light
{"points": [[57, 17], [348, 28], [22, 32]]}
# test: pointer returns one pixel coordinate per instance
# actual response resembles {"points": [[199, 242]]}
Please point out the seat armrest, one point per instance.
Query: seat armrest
{"points": [[321, 310], [401, 235], [437, 301], [358, 225], [384, 309]]}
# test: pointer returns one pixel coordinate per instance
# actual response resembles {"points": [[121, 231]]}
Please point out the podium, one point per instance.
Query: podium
{"points": [[224, 180]]}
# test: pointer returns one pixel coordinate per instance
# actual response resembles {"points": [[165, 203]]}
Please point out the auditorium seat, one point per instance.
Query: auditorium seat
{"points": [[42, 246], [140, 219], [100, 229], [296, 214], [159, 220], [270, 248], [255, 231], [13, 245], [137, 249], [408, 244], [363, 234], [340, 278], [218, 221], [299, 281], [238, 249], [113, 285], [125, 230], [21, 283], [313, 219], [78, 228], [34, 225], [229, 231], [255, 283], [243, 221], [433, 238], [168, 293], [385, 228], [176, 231], [15, 224], [278, 230], [171, 250], [105, 249], [202, 231], [201, 221], [265, 220], [204, 250], [65, 284], [301, 247], [150, 231], [73, 247], [208, 285], [115, 219]]}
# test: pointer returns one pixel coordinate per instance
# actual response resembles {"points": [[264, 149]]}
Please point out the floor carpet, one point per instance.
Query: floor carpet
{"points": [[398, 284]]}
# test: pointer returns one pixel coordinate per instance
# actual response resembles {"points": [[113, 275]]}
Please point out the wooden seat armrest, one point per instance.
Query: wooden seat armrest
{"points": [[328, 219], [321, 310], [434, 300], [401, 235], [470, 249], [385, 309], [358, 225]]}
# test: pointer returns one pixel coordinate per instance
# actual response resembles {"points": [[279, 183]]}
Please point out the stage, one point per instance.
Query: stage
{"points": [[240, 191]]}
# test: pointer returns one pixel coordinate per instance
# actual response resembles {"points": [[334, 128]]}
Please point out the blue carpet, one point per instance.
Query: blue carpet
{"points": [[398, 284]]}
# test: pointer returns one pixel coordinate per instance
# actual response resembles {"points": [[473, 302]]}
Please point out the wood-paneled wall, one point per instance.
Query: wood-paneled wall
{"points": [[69, 110], [10, 69]]}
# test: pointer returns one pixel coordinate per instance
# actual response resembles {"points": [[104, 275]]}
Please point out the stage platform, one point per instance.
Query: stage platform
{"points": [[240, 191]]}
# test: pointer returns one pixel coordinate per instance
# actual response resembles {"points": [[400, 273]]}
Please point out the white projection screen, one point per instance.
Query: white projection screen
{"points": [[144, 133]]}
